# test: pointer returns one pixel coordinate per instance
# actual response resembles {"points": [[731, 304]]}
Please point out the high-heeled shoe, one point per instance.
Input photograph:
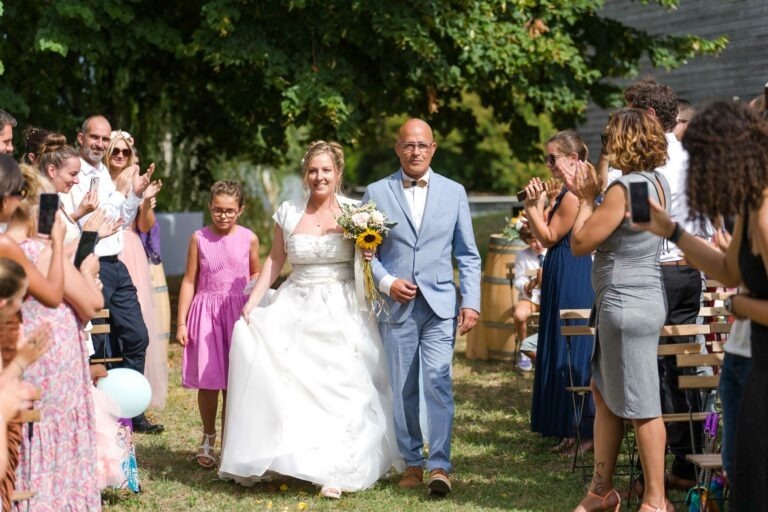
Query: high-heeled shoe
{"points": [[605, 502]]}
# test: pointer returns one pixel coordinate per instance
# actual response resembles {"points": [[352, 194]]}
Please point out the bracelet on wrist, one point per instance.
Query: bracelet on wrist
{"points": [[180, 324], [676, 233]]}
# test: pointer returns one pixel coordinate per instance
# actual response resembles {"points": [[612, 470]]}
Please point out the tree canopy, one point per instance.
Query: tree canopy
{"points": [[201, 80]]}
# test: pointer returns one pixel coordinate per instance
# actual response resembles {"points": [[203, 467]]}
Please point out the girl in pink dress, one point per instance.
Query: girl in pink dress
{"points": [[222, 258]]}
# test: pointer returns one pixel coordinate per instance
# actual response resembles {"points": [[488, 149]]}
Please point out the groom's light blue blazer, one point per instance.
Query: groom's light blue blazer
{"points": [[424, 257]]}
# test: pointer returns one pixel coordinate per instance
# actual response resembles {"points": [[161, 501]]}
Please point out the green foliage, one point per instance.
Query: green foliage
{"points": [[198, 82]]}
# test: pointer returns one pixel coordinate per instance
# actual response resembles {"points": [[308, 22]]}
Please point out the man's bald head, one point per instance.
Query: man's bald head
{"points": [[415, 147]]}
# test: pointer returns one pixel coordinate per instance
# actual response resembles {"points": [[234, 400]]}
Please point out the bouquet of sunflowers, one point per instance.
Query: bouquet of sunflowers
{"points": [[368, 227]]}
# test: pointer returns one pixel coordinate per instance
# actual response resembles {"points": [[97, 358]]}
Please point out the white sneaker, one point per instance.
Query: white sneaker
{"points": [[524, 363]]}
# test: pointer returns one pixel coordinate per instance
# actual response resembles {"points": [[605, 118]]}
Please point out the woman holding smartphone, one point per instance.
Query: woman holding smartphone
{"points": [[727, 145], [64, 438], [629, 306]]}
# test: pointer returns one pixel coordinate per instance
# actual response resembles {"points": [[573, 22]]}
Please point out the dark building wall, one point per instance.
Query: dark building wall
{"points": [[739, 71]]}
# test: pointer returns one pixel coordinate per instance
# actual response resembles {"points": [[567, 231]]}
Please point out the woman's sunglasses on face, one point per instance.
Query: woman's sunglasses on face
{"points": [[125, 152]]}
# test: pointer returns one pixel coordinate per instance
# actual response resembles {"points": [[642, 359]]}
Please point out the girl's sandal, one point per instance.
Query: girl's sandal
{"points": [[205, 457], [330, 491]]}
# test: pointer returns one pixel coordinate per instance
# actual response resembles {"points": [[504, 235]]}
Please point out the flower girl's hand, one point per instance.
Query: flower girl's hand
{"points": [[181, 335], [368, 254]]}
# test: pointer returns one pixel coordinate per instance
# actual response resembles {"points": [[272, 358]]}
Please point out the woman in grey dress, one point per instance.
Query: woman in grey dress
{"points": [[630, 307]]}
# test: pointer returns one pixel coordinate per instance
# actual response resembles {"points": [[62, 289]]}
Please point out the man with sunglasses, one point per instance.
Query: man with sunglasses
{"points": [[120, 199], [7, 124]]}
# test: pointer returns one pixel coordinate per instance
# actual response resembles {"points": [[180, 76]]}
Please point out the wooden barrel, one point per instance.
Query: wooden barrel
{"points": [[161, 301], [494, 336]]}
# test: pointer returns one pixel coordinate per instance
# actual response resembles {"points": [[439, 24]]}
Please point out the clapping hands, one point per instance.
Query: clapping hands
{"points": [[586, 186]]}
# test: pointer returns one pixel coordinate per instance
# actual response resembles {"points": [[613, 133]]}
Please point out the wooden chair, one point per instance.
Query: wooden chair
{"points": [[103, 328], [27, 416], [568, 330]]}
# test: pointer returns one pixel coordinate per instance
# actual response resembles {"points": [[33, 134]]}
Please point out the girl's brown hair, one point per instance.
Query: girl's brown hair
{"points": [[228, 188]]}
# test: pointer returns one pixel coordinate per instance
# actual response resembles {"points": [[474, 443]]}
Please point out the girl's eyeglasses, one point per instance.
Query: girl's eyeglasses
{"points": [[125, 152]]}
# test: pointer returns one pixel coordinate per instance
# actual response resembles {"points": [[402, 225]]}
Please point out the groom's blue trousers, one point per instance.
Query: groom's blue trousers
{"points": [[422, 335]]}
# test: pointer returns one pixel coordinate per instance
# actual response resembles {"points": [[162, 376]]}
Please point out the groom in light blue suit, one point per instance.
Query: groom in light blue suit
{"points": [[414, 272]]}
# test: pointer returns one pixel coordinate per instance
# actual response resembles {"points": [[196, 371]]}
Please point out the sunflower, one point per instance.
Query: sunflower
{"points": [[368, 239]]}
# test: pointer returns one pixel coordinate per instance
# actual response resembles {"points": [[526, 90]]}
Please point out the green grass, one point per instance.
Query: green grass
{"points": [[499, 464]]}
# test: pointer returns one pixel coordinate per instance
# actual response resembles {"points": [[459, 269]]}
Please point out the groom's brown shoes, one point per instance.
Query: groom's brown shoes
{"points": [[412, 478], [439, 482]]}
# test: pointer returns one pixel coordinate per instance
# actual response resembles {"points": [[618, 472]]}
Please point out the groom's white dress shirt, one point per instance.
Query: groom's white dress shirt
{"points": [[416, 197]]}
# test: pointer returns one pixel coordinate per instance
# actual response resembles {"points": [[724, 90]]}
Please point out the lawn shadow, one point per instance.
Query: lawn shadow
{"points": [[501, 463]]}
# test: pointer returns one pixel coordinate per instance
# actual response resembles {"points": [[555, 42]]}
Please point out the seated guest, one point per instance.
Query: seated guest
{"points": [[527, 260], [629, 307]]}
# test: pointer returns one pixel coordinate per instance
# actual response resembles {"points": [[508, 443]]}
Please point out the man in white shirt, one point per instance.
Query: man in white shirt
{"points": [[682, 282], [120, 200]]}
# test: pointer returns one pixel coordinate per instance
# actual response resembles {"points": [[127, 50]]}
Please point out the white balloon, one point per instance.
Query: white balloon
{"points": [[129, 389]]}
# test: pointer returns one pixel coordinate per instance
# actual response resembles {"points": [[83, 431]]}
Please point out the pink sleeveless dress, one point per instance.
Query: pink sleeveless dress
{"points": [[223, 274]]}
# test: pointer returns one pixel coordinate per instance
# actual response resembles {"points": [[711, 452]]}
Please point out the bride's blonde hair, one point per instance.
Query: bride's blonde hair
{"points": [[333, 149]]}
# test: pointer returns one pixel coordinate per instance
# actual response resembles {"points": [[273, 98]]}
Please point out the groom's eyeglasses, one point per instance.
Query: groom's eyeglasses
{"points": [[410, 147]]}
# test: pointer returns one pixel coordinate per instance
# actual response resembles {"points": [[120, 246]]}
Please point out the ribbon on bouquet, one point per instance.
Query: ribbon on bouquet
{"points": [[360, 281]]}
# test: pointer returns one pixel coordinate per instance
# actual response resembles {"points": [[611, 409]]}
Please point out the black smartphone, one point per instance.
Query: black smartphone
{"points": [[49, 204], [522, 195], [85, 246], [638, 201]]}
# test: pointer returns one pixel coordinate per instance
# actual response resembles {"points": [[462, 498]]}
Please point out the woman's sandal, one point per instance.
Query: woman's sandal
{"points": [[651, 508], [330, 491], [604, 501], [205, 457]]}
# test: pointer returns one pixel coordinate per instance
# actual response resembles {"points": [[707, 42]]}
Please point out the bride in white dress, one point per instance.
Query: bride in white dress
{"points": [[309, 393]]}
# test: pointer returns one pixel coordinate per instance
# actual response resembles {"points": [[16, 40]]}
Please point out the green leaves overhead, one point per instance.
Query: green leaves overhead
{"points": [[227, 77]]}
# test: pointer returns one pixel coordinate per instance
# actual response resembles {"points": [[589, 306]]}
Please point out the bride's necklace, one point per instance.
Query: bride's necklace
{"points": [[318, 215]]}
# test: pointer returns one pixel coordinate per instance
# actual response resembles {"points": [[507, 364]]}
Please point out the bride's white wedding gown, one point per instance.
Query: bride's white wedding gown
{"points": [[309, 393]]}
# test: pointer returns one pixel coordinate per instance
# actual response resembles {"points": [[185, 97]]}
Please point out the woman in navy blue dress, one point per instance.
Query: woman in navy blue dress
{"points": [[566, 284]]}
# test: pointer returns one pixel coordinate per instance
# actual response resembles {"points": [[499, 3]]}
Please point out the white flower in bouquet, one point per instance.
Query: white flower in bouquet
{"points": [[361, 219], [377, 217]]}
